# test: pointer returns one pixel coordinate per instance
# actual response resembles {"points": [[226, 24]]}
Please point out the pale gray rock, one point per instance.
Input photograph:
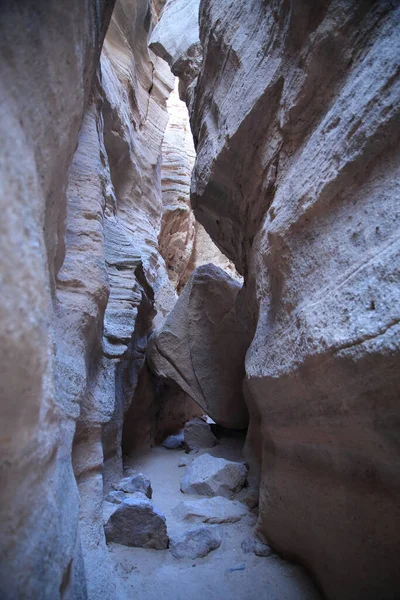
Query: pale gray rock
{"points": [[248, 496], [136, 482], [197, 542], [202, 344], [173, 442], [136, 522], [115, 497], [210, 476], [210, 510], [198, 434], [254, 546]]}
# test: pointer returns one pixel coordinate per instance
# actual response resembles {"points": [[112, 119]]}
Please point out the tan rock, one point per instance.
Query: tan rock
{"points": [[202, 344]]}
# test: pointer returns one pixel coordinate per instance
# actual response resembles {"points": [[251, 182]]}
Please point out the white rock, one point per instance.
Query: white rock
{"points": [[210, 510], [196, 542], [210, 476]]}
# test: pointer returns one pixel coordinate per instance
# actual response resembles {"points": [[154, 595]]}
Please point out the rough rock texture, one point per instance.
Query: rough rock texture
{"points": [[252, 545], [210, 510], [136, 522], [196, 542], [296, 125], [202, 343], [48, 57], [177, 42], [135, 483], [82, 280], [198, 434], [184, 243], [210, 476]]}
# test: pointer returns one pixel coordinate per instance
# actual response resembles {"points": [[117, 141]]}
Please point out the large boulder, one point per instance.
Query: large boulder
{"points": [[196, 542], [136, 522], [210, 476], [210, 510], [202, 345], [198, 434]]}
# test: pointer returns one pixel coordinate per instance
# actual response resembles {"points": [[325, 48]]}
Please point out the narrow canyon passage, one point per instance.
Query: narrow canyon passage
{"points": [[200, 300]]}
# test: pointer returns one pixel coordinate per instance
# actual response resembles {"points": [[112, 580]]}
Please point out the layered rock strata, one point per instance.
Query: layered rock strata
{"points": [[295, 119]]}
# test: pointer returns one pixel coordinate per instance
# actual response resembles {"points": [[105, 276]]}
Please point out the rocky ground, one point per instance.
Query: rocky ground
{"points": [[226, 572]]}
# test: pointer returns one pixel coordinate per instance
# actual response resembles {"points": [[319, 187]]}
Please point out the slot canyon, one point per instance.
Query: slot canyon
{"points": [[200, 301]]}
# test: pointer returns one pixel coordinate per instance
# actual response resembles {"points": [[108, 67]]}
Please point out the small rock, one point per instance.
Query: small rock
{"points": [[196, 542], [198, 434], [115, 497], [210, 476], [252, 545], [248, 496], [136, 522], [210, 510], [135, 483], [173, 442]]}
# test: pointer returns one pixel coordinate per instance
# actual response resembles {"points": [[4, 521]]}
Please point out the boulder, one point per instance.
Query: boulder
{"points": [[198, 434], [135, 483], [115, 497], [254, 546], [136, 522], [173, 442], [210, 510], [196, 542], [201, 345], [210, 476]]}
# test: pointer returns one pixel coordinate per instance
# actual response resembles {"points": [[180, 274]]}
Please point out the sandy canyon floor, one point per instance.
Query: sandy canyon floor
{"points": [[225, 573]]}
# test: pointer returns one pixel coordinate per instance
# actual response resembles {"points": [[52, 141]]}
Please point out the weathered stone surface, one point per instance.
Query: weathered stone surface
{"points": [[210, 476], [252, 545], [136, 522], [196, 542], [173, 442], [135, 483], [198, 434], [295, 118], [210, 510], [115, 497], [202, 344]]}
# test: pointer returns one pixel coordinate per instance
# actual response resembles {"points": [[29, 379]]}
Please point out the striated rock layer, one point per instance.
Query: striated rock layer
{"points": [[295, 116], [83, 283]]}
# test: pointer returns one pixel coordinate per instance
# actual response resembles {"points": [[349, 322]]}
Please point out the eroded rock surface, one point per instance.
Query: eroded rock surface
{"points": [[202, 343], [136, 522], [198, 434], [295, 118], [196, 542]]}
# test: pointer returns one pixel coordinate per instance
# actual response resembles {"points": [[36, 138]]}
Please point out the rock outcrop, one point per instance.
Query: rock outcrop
{"points": [[295, 120], [202, 344]]}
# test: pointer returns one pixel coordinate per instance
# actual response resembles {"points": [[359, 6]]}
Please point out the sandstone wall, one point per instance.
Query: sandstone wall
{"points": [[296, 123], [83, 282]]}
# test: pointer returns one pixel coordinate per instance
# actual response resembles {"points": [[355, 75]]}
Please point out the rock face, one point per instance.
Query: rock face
{"points": [[197, 435], [295, 118], [135, 483], [196, 542], [210, 476], [210, 510], [202, 343], [136, 522]]}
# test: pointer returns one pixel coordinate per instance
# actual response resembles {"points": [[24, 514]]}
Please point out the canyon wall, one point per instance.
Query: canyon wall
{"points": [[83, 282], [295, 116]]}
